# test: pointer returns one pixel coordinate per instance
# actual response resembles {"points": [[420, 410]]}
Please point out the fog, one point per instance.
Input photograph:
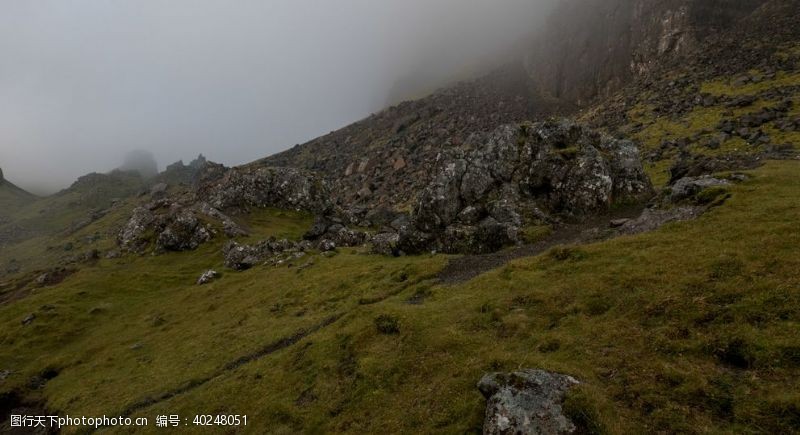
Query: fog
{"points": [[83, 82]]}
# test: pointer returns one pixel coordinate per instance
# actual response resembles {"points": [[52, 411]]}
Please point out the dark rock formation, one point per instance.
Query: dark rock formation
{"points": [[181, 174], [170, 226], [484, 193], [526, 402]]}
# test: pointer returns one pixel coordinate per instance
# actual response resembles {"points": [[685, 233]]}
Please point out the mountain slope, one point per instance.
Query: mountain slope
{"points": [[591, 51], [12, 197], [299, 349]]}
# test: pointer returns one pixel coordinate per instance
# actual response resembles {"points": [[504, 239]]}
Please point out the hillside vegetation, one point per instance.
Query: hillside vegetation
{"points": [[691, 328]]}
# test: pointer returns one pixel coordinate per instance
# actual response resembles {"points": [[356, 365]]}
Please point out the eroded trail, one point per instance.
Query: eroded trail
{"points": [[192, 384]]}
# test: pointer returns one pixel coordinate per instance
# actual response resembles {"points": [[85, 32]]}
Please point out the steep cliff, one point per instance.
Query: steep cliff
{"points": [[591, 48]]}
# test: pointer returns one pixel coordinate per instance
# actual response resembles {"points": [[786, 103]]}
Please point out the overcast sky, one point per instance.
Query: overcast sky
{"points": [[82, 82]]}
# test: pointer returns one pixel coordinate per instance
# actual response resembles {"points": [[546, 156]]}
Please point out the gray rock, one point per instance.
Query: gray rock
{"points": [[241, 257], [385, 244], [652, 219], [326, 245], [522, 174], [28, 319], [688, 187], [182, 232], [286, 188], [207, 277], [133, 236], [616, 223], [526, 402]]}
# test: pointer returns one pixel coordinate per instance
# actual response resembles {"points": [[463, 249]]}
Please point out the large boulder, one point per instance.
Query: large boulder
{"points": [[171, 226], [526, 402]]}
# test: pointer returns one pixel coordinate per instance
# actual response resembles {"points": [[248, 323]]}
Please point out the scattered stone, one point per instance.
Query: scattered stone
{"points": [[53, 276], [616, 223], [526, 402], [207, 277], [326, 245], [689, 187], [28, 319], [652, 219]]}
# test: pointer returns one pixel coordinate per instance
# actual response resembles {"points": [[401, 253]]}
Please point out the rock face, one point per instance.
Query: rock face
{"points": [[486, 192], [592, 48], [526, 402]]}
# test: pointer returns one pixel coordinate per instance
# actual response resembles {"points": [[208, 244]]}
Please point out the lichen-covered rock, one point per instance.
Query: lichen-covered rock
{"points": [[286, 188], [242, 257], [526, 402], [133, 236], [689, 187], [654, 218], [182, 231]]}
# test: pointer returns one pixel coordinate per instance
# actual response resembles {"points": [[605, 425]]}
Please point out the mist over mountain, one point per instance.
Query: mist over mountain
{"points": [[85, 82]]}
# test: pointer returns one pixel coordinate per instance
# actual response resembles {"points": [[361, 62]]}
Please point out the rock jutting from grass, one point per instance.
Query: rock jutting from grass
{"points": [[526, 402]]}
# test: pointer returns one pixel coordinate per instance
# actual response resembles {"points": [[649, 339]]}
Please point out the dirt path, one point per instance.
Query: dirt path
{"points": [[465, 268]]}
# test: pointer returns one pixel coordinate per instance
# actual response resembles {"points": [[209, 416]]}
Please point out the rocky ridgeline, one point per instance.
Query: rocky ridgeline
{"points": [[480, 198]]}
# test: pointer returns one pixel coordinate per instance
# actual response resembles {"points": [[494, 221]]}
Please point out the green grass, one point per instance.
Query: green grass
{"points": [[692, 329], [659, 172], [281, 224]]}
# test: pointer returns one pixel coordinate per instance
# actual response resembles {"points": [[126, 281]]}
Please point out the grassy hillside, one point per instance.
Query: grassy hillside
{"points": [[692, 328], [12, 198]]}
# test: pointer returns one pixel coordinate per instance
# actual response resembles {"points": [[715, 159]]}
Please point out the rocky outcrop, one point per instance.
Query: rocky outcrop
{"points": [[171, 227], [526, 402], [184, 221], [484, 194], [286, 188]]}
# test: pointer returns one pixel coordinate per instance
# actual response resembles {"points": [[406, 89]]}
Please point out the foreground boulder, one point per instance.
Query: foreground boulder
{"points": [[485, 192], [526, 402]]}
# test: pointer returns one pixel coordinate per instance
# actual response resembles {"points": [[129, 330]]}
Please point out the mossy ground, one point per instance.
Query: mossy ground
{"points": [[689, 329]]}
